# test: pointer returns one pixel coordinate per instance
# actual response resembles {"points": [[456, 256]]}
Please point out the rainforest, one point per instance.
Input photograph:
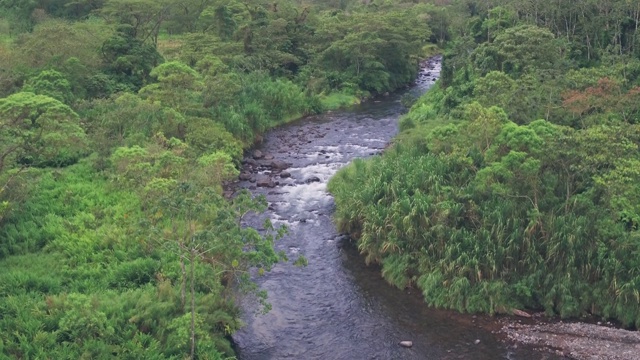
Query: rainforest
{"points": [[513, 184]]}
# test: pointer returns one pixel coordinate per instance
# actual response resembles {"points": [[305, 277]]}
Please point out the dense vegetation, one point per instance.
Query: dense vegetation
{"points": [[515, 182], [120, 123]]}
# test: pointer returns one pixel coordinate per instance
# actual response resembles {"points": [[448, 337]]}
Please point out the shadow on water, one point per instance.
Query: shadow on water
{"points": [[336, 307]]}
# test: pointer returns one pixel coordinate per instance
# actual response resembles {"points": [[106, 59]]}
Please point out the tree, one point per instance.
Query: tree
{"points": [[518, 50], [38, 130], [178, 87], [144, 16], [128, 58], [495, 88], [54, 41], [35, 130], [50, 83], [379, 51], [607, 96]]}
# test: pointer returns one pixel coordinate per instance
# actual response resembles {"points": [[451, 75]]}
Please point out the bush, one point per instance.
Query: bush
{"points": [[135, 273]]}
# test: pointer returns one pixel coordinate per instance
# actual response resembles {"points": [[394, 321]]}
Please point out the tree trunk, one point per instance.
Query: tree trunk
{"points": [[183, 286], [193, 307]]}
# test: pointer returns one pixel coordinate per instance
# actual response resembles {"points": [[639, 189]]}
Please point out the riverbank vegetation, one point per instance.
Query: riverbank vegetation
{"points": [[120, 123], [514, 184]]}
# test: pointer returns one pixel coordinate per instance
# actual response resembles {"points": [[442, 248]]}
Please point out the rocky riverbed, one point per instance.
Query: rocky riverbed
{"points": [[575, 340]]}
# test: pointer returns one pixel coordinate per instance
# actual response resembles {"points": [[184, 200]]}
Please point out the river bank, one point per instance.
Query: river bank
{"points": [[574, 340]]}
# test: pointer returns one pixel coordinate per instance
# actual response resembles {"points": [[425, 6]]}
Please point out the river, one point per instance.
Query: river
{"points": [[336, 307]]}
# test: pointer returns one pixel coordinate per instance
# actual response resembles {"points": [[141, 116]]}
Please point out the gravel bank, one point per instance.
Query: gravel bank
{"points": [[577, 340]]}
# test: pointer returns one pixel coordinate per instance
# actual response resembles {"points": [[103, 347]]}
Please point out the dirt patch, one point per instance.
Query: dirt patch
{"points": [[577, 340]]}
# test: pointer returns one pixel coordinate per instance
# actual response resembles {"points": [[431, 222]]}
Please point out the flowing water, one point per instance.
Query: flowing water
{"points": [[336, 307]]}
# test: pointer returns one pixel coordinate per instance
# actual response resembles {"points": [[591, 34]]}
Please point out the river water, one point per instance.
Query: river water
{"points": [[336, 307]]}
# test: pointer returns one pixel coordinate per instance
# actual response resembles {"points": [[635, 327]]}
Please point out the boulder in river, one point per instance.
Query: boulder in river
{"points": [[278, 165], [406, 343], [258, 154], [268, 157], [250, 162], [265, 181], [312, 179], [244, 176], [285, 174]]}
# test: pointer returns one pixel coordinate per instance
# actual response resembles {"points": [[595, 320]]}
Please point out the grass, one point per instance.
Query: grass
{"points": [[338, 100]]}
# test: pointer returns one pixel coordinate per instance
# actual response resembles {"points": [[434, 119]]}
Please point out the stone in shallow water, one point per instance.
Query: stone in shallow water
{"points": [[312, 179], [266, 182], [278, 164], [249, 161], [406, 343]]}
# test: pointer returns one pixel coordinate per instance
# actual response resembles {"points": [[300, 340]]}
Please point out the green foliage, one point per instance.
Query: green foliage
{"points": [[54, 41], [206, 136], [516, 50], [127, 119], [104, 284], [484, 207], [52, 84], [261, 103], [143, 17], [508, 215], [177, 86], [128, 59], [38, 130], [133, 251], [377, 51]]}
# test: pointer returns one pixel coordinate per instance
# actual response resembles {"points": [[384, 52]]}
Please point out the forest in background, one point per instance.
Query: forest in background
{"points": [[120, 123], [515, 182]]}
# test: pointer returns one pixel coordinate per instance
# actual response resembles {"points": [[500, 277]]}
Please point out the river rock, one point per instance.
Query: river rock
{"points": [[250, 161], [268, 157], [278, 164], [285, 174], [406, 343], [477, 341], [312, 179], [244, 176], [258, 154], [265, 182]]}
